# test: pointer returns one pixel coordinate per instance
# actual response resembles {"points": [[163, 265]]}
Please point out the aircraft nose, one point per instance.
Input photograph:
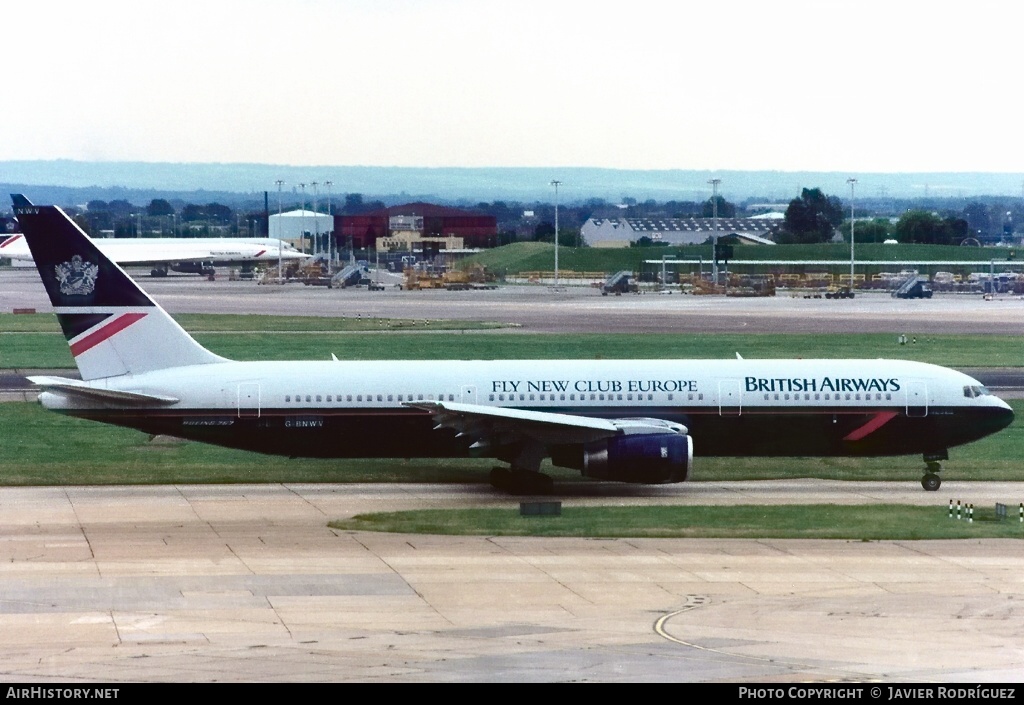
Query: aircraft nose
{"points": [[1003, 415]]}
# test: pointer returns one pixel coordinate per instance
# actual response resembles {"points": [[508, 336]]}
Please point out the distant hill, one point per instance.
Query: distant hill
{"points": [[66, 182]]}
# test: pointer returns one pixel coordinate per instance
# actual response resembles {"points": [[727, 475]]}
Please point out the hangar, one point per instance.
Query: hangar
{"points": [[623, 232], [294, 226], [420, 220]]}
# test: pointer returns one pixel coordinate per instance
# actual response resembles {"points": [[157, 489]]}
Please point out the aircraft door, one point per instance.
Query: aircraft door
{"points": [[249, 400], [730, 398], [917, 399], [468, 394]]}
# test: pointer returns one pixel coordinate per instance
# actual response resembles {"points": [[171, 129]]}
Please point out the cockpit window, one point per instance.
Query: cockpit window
{"points": [[972, 391]]}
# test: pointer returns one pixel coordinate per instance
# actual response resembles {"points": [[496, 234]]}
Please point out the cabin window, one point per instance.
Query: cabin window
{"points": [[572, 397], [561, 397], [287, 397], [670, 397], [380, 397], [348, 397], [359, 397], [700, 397], [329, 398], [319, 398], [817, 397], [594, 396], [629, 397], [847, 396], [419, 398], [391, 397], [888, 396], [308, 398]]}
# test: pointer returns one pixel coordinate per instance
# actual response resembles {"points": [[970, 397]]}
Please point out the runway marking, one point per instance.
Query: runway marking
{"points": [[695, 601]]}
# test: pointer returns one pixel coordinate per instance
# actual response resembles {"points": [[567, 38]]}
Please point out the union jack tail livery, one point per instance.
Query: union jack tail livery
{"points": [[112, 325]]}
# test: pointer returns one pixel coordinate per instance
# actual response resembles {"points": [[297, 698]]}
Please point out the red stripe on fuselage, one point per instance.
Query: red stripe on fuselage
{"points": [[9, 240], [106, 332], [876, 422], [260, 253]]}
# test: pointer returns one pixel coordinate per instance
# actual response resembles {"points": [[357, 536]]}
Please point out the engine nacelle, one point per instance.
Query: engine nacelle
{"points": [[650, 459]]}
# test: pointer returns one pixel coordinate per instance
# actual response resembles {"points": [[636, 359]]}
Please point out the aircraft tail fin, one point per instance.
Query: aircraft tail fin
{"points": [[111, 325]]}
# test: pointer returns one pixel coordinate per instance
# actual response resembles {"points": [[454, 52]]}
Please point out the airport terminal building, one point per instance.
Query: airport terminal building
{"points": [[623, 232]]}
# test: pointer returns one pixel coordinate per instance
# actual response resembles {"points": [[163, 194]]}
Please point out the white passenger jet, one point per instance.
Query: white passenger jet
{"points": [[624, 420], [190, 255]]}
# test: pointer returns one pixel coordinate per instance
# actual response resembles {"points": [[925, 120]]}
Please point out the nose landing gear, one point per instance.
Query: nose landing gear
{"points": [[931, 480]]}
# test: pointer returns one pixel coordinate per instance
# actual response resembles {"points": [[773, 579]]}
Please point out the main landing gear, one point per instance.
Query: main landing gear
{"points": [[521, 482], [524, 477], [931, 481]]}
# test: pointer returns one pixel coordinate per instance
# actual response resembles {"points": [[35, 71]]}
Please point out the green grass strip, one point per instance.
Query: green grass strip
{"points": [[96, 454], [284, 338], [886, 522]]}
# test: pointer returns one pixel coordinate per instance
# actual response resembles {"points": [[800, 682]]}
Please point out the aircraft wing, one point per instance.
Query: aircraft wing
{"points": [[489, 425]]}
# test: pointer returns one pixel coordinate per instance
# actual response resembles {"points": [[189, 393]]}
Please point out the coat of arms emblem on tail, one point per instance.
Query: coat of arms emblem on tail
{"points": [[77, 277]]}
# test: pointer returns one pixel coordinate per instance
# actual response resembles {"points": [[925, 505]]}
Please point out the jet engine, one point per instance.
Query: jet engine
{"points": [[651, 459]]}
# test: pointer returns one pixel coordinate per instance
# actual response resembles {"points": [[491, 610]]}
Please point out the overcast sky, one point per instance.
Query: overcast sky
{"points": [[790, 85]]}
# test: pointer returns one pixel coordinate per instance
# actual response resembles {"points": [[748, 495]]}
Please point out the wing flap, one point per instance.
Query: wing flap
{"points": [[487, 424]]}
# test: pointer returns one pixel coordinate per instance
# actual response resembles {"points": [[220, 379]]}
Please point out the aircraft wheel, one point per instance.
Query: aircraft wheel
{"points": [[524, 483], [931, 482], [501, 479]]}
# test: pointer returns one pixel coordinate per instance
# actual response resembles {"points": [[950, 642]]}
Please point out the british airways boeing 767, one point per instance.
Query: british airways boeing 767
{"points": [[624, 420]]}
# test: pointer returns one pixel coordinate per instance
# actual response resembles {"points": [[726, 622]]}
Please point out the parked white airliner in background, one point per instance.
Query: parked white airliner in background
{"points": [[624, 420], [193, 255]]}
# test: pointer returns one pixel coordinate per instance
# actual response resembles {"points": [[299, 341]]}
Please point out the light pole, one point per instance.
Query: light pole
{"points": [[556, 184], [852, 182], [302, 219], [316, 221], [280, 183], [714, 233], [330, 236]]}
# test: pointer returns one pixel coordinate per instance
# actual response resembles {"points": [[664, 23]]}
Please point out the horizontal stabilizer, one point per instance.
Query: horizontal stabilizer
{"points": [[74, 387]]}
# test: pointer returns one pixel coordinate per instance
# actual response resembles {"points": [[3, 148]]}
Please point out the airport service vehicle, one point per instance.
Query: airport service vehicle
{"points": [[839, 292], [189, 255], [624, 420]]}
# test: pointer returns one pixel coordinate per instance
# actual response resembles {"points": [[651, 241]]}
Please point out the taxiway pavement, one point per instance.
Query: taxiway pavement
{"points": [[248, 584]]}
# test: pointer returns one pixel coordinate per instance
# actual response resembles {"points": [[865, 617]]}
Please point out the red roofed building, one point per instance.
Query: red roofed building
{"points": [[361, 231]]}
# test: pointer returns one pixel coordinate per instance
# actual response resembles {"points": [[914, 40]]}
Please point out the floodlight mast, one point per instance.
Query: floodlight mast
{"points": [[714, 233], [279, 183], [556, 184], [852, 182]]}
